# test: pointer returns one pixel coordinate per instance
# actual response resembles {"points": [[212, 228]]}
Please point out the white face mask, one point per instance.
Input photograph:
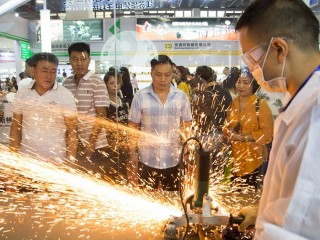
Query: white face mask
{"points": [[273, 85], [278, 84]]}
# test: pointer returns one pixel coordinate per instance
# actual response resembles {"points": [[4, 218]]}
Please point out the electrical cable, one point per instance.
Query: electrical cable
{"points": [[180, 181]]}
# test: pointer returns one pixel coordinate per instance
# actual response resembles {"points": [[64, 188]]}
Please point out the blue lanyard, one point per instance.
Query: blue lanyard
{"points": [[302, 85]]}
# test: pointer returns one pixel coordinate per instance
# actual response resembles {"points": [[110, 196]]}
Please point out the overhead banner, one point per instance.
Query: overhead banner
{"points": [[187, 29], [58, 6], [99, 5]]}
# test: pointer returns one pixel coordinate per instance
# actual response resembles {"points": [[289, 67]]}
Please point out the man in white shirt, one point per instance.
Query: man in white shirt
{"points": [[279, 39], [134, 82], [26, 79], [226, 71], [44, 115]]}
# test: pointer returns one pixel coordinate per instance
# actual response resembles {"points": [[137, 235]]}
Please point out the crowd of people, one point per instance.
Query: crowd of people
{"points": [[134, 135], [177, 105], [8, 88]]}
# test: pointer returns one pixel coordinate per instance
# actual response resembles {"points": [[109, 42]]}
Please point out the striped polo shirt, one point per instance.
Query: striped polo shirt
{"points": [[91, 92]]}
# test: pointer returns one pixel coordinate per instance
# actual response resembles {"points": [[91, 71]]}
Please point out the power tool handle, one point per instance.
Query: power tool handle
{"points": [[236, 220]]}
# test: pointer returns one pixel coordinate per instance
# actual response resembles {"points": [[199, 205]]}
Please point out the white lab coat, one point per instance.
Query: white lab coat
{"points": [[289, 208]]}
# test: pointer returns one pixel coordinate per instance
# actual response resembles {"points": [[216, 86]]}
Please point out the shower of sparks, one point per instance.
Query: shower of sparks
{"points": [[41, 200], [50, 198], [232, 196]]}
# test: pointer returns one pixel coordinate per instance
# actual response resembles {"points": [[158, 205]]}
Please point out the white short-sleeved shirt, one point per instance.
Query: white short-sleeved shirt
{"points": [[160, 120], [91, 92], [43, 123], [25, 83], [134, 82], [289, 205]]}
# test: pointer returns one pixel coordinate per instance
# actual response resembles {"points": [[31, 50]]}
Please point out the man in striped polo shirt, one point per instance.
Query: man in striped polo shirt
{"points": [[91, 97]]}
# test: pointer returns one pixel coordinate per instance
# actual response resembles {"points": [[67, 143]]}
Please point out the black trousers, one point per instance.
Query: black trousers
{"points": [[167, 179], [254, 179], [108, 162]]}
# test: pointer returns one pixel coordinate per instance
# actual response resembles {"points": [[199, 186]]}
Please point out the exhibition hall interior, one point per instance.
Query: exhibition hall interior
{"points": [[85, 197]]}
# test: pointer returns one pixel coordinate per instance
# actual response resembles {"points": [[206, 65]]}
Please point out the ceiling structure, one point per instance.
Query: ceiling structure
{"points": [[6, 6], [30, 10]]}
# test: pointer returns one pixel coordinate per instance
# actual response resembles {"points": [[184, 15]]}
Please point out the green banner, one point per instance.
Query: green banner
{"points": [[25, 50]]}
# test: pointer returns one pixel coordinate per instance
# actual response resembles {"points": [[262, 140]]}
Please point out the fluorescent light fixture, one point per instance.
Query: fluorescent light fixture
{"points": [[212, 13], [99, 14], [220, 14], [179, 14], [203, 13], [187, 13]]}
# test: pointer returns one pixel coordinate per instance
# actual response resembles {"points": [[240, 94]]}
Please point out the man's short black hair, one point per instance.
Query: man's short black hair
{"points": [[30, 62], [161, 59], [44, 56], [292, 19], [79, 47], [22, 75]]}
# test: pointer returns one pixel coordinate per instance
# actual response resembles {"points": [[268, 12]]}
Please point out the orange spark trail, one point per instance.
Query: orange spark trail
{"points": [[45, 201]]}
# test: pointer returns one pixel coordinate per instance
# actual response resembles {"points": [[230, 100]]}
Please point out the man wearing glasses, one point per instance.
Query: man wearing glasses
{"points": [[279, 39]]}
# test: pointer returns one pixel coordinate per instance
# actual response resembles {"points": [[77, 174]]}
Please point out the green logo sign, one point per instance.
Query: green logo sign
{"points": [[25, 50]]}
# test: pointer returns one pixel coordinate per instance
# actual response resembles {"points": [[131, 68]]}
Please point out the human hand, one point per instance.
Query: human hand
{"points": [[235, 137], [250, 216]]}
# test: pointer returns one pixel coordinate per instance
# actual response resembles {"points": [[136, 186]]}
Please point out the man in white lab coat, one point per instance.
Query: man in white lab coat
{"points": [[279, 39]]}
